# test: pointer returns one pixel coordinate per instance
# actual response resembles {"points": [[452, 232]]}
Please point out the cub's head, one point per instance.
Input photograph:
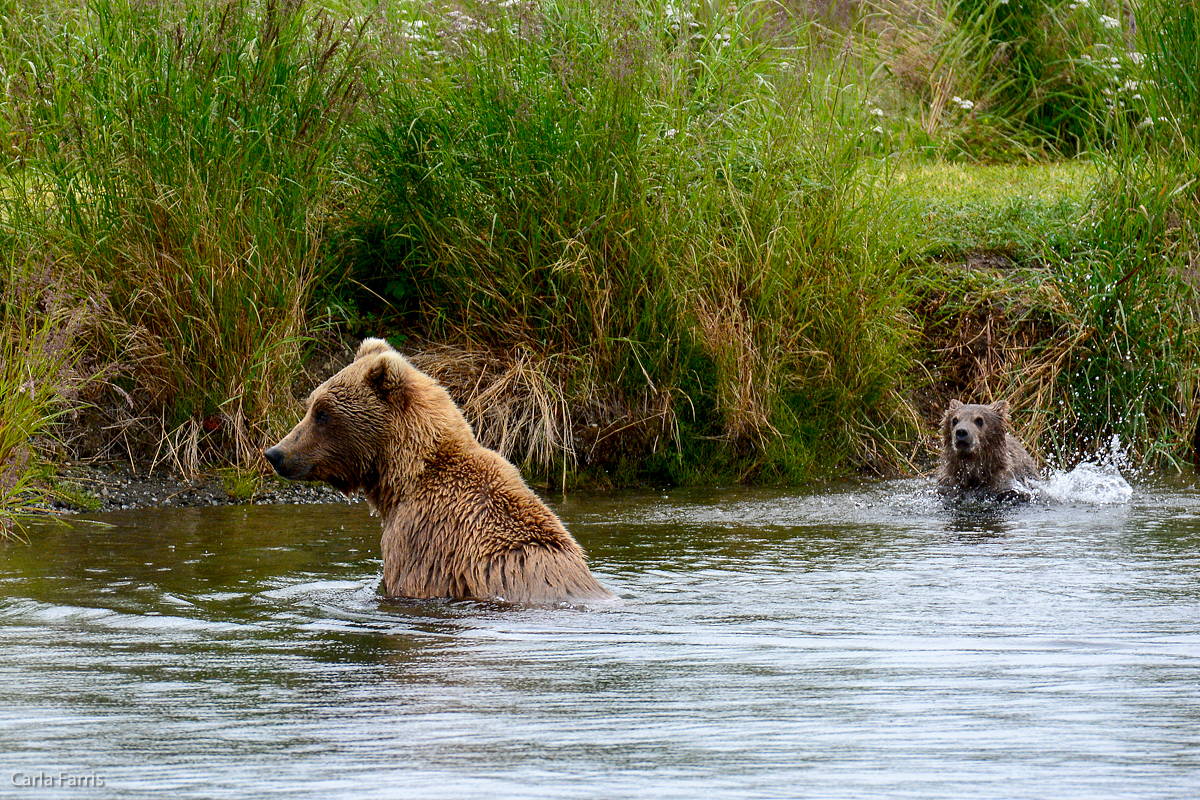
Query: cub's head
{"points": [[968, 430], [358, 420]]}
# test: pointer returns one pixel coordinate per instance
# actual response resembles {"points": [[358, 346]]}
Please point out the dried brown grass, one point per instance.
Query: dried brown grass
{"points": [[545, 412]]}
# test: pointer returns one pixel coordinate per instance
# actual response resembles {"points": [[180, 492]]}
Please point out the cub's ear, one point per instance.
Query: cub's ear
{"points": [[370, 347], [1001, 407], [385, 373], [949, 415]]}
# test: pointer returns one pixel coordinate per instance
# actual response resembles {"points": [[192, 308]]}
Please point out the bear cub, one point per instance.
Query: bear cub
{"points": [[458, 520], [980, 458]]}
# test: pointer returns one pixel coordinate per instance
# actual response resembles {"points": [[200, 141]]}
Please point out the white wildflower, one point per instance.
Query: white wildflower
{"points": [[1131, 86], [1148, 122], [1136, 58], [877, 112], [1109, 22], [670, 133], [412, 30], [877, 129]]}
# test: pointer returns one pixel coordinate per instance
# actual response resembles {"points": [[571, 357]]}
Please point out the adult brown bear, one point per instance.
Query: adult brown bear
{"points": [[458, 520], [979, 456]]}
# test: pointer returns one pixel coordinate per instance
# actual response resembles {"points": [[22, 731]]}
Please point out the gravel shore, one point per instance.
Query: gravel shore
{"points": [[92, 488]]}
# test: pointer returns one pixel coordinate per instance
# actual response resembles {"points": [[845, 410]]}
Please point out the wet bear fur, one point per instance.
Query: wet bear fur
{"points": [[458, 520], [980, 458]]}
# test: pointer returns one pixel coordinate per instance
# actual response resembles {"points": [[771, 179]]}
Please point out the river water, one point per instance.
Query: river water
{"points": [[854, 642]]}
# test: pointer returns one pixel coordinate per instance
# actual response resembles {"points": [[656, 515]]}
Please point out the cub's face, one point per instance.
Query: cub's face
{"points": [[967, 428]]}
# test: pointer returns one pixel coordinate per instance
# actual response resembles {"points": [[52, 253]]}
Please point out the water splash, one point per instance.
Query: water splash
{"points": [[1097, 482]]}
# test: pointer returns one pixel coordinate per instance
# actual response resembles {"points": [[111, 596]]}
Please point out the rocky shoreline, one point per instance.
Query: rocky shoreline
{"points": [[89, 488]]}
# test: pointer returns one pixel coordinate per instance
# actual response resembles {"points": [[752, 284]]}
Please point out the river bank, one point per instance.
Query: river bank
{"points": [[675, 246], [86, 488]]}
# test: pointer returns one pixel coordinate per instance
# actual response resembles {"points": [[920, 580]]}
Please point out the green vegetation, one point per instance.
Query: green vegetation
{"points": [[640, 241], [241, 484], [40, 375]]}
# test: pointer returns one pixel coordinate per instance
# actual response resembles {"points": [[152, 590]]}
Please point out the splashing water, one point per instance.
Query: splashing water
{"points": [[1097, 482]]}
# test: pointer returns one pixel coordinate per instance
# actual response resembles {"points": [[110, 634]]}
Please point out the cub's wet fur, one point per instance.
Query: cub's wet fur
{"points": [[980, 458]]}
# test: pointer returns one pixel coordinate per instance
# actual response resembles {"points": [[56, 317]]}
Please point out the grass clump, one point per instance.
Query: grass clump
{"points": [[1004, 80], [40, 376], [664, 204], [178, 157]]}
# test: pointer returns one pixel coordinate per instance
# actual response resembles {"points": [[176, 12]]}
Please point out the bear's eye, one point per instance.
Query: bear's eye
{"points": [[953, 422], [979, 422], [321, 416]]}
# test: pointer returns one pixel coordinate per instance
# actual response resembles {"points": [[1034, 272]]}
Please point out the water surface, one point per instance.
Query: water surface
{"points": [[859, 641]]}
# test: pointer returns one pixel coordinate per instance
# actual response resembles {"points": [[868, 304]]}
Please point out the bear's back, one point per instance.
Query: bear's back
{"points": [[472, 528]]}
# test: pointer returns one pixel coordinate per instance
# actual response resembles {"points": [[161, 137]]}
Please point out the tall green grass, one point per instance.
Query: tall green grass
{"points": [[1170, 32], [662, 240], [1004, 80], [674, 199], [1133, 291], [181, 159]]}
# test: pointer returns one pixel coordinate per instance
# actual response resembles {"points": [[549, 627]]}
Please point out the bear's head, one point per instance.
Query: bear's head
{"points": [[969, 430], [377, 421]]}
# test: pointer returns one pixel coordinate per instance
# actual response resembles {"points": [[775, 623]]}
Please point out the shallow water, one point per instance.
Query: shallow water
{"points": [[862, 641]]}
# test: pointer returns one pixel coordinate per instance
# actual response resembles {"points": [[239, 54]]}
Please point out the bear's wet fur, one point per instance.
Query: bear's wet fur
{"points": [[980, 458], [458, 519]]}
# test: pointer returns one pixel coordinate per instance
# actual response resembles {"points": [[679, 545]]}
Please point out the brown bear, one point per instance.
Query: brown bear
{"points": [[458, 520], [979, 456]]}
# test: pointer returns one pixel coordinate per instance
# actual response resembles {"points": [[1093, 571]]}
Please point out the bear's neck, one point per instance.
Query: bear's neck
{"points": [[397, 478]]}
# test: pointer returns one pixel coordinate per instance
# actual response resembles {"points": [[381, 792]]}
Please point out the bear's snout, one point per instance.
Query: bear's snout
{"points": [[285, 467], [273, 456], [963, 440]]}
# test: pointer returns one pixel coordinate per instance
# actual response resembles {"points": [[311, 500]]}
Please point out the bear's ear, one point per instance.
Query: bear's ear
{"points": [[949, 415], [370, 347], [385, 374], [1001, 408]]}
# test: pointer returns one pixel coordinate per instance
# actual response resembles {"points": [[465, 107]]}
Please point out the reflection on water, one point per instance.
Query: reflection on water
{"points": [[862, 641]]}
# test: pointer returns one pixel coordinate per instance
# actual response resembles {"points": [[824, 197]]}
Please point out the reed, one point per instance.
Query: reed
{"points": [[639, 241]]}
